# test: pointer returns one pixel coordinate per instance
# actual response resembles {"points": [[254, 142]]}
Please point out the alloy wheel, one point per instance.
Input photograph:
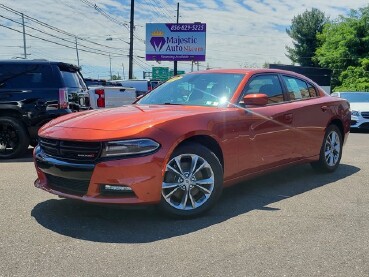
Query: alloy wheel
{"points": [[8, 138], [188, 182], [332, 148]]}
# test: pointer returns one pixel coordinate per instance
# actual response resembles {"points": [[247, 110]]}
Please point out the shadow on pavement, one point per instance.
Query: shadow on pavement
{"points": [[27, 157], [111, 225]]}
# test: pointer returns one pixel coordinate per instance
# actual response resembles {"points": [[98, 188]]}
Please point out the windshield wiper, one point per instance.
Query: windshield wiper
{"points": [[168, 103]]}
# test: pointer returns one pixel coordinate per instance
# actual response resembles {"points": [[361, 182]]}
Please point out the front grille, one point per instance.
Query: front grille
{"points": [[71, 150], [72, 186], [365, 115]]}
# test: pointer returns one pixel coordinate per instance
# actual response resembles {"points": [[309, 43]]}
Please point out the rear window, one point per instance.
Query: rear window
{"points": [[26, 76], [73, 79]]}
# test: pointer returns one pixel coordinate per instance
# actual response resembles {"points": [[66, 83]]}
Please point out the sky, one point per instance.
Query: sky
{"points": [[240, 33]]}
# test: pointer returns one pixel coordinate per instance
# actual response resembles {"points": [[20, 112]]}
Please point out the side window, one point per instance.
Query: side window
{"points": [[266, 84], [298, 89], [25, 76], [312, 91]]}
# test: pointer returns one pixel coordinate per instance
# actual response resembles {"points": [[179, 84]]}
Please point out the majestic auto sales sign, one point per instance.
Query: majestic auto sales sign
{"points": [[175, 42]]}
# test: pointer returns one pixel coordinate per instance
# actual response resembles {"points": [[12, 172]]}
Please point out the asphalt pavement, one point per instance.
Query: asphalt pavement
{"points": [[293, 222]]}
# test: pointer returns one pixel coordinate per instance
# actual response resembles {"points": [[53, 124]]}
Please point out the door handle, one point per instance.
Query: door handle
{"points": [[324, 108]]}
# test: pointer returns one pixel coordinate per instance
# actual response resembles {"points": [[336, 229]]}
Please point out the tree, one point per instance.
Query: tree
{"points": [[355, 78], [303, 31], [344, 46]]}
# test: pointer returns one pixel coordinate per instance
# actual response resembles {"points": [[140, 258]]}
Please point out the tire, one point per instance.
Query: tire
{"points": [[14, 138], [193, 181], [330, 152]]}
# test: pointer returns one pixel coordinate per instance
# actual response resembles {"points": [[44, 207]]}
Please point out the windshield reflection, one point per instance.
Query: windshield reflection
{"points": [[203, 89]]}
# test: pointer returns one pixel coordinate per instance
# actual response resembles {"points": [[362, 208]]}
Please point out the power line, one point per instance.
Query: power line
{"points": [[106, 15], [54, 36], [57, 43], [54, 28]]}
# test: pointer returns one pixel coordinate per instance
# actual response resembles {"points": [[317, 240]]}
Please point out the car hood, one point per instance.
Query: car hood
{"points": [[359, 106], [109, 123]]}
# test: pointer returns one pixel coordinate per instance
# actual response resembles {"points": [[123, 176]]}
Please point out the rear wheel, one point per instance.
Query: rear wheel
{"points": [[192, 182], [331, 151], [14, 139]]}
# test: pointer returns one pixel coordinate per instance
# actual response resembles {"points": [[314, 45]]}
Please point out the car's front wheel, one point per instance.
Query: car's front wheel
{"points": [[192, 182], [14, 139], [331, 151]]}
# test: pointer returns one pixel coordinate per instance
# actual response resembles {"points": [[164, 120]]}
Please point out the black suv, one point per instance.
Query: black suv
{"points": [[32, 92]]}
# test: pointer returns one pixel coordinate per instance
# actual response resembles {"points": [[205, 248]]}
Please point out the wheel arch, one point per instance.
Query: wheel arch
{"points": [[206, 141], [337, 122]]}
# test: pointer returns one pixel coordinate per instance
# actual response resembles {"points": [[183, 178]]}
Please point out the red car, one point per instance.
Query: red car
{"points": [[187, 139]]}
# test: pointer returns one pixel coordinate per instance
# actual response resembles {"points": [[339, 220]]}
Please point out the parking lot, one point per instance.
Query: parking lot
{"points": [[289, 223]]}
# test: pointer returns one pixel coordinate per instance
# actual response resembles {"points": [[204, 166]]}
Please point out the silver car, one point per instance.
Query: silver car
{"points": [[359, 103]]}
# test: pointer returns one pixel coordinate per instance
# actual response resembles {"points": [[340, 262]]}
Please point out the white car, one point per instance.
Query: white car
{"points": [[359, 104]]}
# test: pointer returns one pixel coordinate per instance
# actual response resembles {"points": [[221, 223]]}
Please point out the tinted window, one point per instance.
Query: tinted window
{"points": [[312, 91], [18, 76], [298, 89], [266, 84], [73, 80]]}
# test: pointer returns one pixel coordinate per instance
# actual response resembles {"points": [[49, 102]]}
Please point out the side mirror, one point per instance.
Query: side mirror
{"points": [[256, 99]]}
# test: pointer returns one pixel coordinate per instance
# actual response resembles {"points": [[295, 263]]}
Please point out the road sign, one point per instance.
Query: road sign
{"points": [[160, 73]]}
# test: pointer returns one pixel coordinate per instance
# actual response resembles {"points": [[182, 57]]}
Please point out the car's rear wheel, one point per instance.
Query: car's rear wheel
{"points": [[14, 139], [192, 181], [331, 151]]}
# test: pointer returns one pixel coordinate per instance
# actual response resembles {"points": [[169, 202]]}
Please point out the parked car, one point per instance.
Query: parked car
{"points": [[187, 139], [142, 86], [111, 96], [32, 92], [359, 103], [95, 82]]}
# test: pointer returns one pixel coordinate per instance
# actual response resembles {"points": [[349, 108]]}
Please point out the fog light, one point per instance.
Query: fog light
{"points": [[117, 188]]}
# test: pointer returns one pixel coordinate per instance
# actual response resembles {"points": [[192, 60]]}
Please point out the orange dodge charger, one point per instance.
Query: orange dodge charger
{"points": [[179, 145]]}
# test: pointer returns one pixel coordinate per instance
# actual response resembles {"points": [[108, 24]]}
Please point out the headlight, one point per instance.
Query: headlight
{"points": [[355, 113], [129, 147]]}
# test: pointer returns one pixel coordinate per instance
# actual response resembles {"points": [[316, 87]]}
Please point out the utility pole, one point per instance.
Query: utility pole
{"points": [[111, 76], [123, 71], [175, 62], [24, 37], [131, 26], [77, 51]]}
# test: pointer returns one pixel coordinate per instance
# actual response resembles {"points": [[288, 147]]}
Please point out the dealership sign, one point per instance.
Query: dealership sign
{"points": [[175, 42]]}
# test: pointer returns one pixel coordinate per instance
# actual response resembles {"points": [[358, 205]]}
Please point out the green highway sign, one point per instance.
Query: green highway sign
{"points": [[160, 73]]}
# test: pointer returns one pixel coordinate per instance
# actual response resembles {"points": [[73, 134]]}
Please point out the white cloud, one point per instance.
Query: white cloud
{"points": [[239, 32]]}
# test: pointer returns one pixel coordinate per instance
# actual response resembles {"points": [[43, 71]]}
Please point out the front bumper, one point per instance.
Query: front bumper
{"points": [[359, 122], [85, 181]]}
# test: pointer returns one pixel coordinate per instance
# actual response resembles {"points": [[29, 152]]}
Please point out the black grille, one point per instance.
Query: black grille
{"points": [[71, 150], [365, 115], [364, 125], [72, 186]]}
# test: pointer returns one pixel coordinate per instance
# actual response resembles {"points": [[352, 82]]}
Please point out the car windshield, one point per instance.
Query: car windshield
{"points": [[356, 97], [201, 89]]}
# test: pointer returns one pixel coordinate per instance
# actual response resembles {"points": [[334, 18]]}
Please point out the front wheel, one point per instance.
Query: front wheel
{"points": [[14, 139], [331, 151], [192, 182]]}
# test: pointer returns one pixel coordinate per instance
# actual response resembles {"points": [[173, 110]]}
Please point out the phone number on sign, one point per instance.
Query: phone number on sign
{"points": [[187, 27]]}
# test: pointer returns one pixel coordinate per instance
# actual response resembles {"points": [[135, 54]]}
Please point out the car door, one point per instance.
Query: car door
{"points": [[271, 129], [310, 115]]}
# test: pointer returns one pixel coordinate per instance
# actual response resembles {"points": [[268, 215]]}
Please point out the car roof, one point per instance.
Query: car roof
{"points": [[36, 61], [252, 71]]}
